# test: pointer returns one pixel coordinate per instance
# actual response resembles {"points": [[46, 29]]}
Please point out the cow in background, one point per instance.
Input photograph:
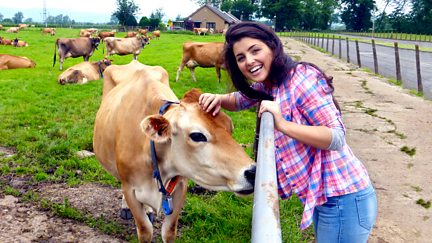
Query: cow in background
{"points": [[11, 62], [1, 27], [156, 34], [143, 32], [13, 30], [4, 41], [75, 47], [188, 143], [104, 34], [51, 31], [23, 26], [83, 72], [131, 34], [201, 31], [19, 43], [202, 54], [125, 46]]}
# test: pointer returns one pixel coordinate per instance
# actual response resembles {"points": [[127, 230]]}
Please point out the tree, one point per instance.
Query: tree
{"points": [[1, 17], [144, 22], [18, 17], [286, 14], [356, 14], [243, 9], [113, 20], [422, 15], [28, 20], [125, 12]]}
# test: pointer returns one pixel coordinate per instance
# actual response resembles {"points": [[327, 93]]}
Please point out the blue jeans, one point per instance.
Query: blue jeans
{"points": [[347, 218]]}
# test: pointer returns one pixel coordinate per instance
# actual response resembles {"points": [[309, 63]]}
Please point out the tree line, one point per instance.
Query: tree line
{"points": [[408, 16]]}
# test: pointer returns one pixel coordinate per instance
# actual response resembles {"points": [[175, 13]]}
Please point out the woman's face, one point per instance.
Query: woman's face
{"points": [[254, 58]]}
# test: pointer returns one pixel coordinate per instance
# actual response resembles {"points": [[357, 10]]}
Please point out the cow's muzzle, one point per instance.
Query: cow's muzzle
{"points": [[250, 178]]}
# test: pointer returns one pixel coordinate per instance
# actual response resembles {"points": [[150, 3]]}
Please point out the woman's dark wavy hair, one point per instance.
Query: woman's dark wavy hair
{"points": [[280, 66]]}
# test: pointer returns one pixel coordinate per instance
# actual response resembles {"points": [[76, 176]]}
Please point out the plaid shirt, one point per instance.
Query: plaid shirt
{"points": [[313, 174]]}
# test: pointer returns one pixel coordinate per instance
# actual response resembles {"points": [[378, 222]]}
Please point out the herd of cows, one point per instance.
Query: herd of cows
{"points": [[149, 139]]}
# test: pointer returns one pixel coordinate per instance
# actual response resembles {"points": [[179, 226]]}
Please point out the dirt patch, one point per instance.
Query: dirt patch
{"points": [[381, 119]]}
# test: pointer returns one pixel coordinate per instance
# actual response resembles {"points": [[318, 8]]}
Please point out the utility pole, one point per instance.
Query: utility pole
{"points": [[44, 13]]}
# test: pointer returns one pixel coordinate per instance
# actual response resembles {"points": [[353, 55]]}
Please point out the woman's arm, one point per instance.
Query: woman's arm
{"points": [[315, 136]]}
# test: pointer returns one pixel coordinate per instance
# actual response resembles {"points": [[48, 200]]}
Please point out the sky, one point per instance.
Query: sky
{"points": [[96, 11]]}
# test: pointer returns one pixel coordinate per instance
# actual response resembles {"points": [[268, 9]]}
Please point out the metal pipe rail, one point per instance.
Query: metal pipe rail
{"points": [[265, 219]]}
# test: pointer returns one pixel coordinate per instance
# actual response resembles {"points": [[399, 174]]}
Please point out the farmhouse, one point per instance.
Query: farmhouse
{"points": [[208, 17]]}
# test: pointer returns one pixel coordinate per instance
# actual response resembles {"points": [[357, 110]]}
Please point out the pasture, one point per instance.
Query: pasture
{"points": [[46, 124]]}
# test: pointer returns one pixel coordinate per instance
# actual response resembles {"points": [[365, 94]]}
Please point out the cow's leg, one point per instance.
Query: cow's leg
{"points": [[169, 226], [61, 62], [143, 224], [192, 71], [218, 73], [179, 70]]}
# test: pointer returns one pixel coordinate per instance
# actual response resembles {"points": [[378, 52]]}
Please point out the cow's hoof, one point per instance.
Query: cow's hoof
{"points": [[151, 217], [126, 214]]}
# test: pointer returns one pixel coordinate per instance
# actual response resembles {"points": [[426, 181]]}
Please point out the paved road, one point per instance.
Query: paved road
{"points": [[386, 60]]}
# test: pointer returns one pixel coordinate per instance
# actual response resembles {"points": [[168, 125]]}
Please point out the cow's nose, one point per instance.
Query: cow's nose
{"points": [[250, 175]]}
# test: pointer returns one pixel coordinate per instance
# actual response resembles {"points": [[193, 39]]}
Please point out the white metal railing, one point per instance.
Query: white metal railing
{"points": [[265, 218]]}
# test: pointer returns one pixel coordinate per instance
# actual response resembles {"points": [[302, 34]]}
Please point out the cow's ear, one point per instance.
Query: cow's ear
{"points": [[157, 128], [192, 96]]}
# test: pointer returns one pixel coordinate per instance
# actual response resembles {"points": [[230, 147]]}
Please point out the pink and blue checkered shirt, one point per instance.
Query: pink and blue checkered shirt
{"points": [[313, 174]]}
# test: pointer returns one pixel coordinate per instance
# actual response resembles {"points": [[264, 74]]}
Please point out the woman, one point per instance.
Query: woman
{"points": [[312, 158]]}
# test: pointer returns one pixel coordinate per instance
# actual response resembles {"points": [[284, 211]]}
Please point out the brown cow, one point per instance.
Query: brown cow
{"points": [[125, 46], [156, 34], [143, 31], [23, 26], [19, 43], [11, 62], [75, 47], [201, 31], [83, 72], [13, 30], [131, 34], [1, 27], [51, 31], [188, 142], [85, 33], [104, 34], [202, 54], [4, 41], [119, 73]]}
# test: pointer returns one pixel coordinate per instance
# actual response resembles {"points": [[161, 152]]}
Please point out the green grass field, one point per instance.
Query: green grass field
{"points": [[47, 123]]}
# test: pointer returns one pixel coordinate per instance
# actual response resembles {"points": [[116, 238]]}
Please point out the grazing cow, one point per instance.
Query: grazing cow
{"points": [[23, 26], [125, 46], [131, 34], [202, 54], [75, 47], [1, 27], [85, 33], [136, 123], [83, 72], [143, 31], [156, 34], [11, 62], [119, 73], [104, 34], [51, 31], [13, 30], [19, 43], [201, 31]]}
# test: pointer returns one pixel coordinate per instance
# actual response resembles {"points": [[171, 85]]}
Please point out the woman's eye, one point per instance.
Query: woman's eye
{"points": [[240, 59], [255, 51], [198, 137]]}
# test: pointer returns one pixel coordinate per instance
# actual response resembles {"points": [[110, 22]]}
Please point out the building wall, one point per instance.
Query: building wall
{"points": [[205, 15]]}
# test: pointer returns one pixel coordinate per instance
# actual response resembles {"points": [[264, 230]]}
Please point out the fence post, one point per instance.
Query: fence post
{"points": [[397, 61], [265, 219], [375, 56], [333, 39], [358, 53], [419, 79], [327, 44], [347, 44], [340, 47]]}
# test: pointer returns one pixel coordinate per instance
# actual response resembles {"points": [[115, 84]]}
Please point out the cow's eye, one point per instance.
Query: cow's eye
{"points": [[198, 137]]}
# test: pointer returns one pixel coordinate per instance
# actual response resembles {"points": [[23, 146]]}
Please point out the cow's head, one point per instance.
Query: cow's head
{"points": [[95, 41], [144, 40], [199, 146]]}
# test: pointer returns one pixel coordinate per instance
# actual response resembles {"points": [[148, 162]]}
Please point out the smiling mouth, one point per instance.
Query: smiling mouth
{"points": [[255, 69]]}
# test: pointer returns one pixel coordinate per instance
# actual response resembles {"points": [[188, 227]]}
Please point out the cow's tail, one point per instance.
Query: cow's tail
{"points": [[55, 49]]}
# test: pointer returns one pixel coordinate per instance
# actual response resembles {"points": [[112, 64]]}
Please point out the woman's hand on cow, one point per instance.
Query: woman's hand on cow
{"points": [[211, 102]]}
